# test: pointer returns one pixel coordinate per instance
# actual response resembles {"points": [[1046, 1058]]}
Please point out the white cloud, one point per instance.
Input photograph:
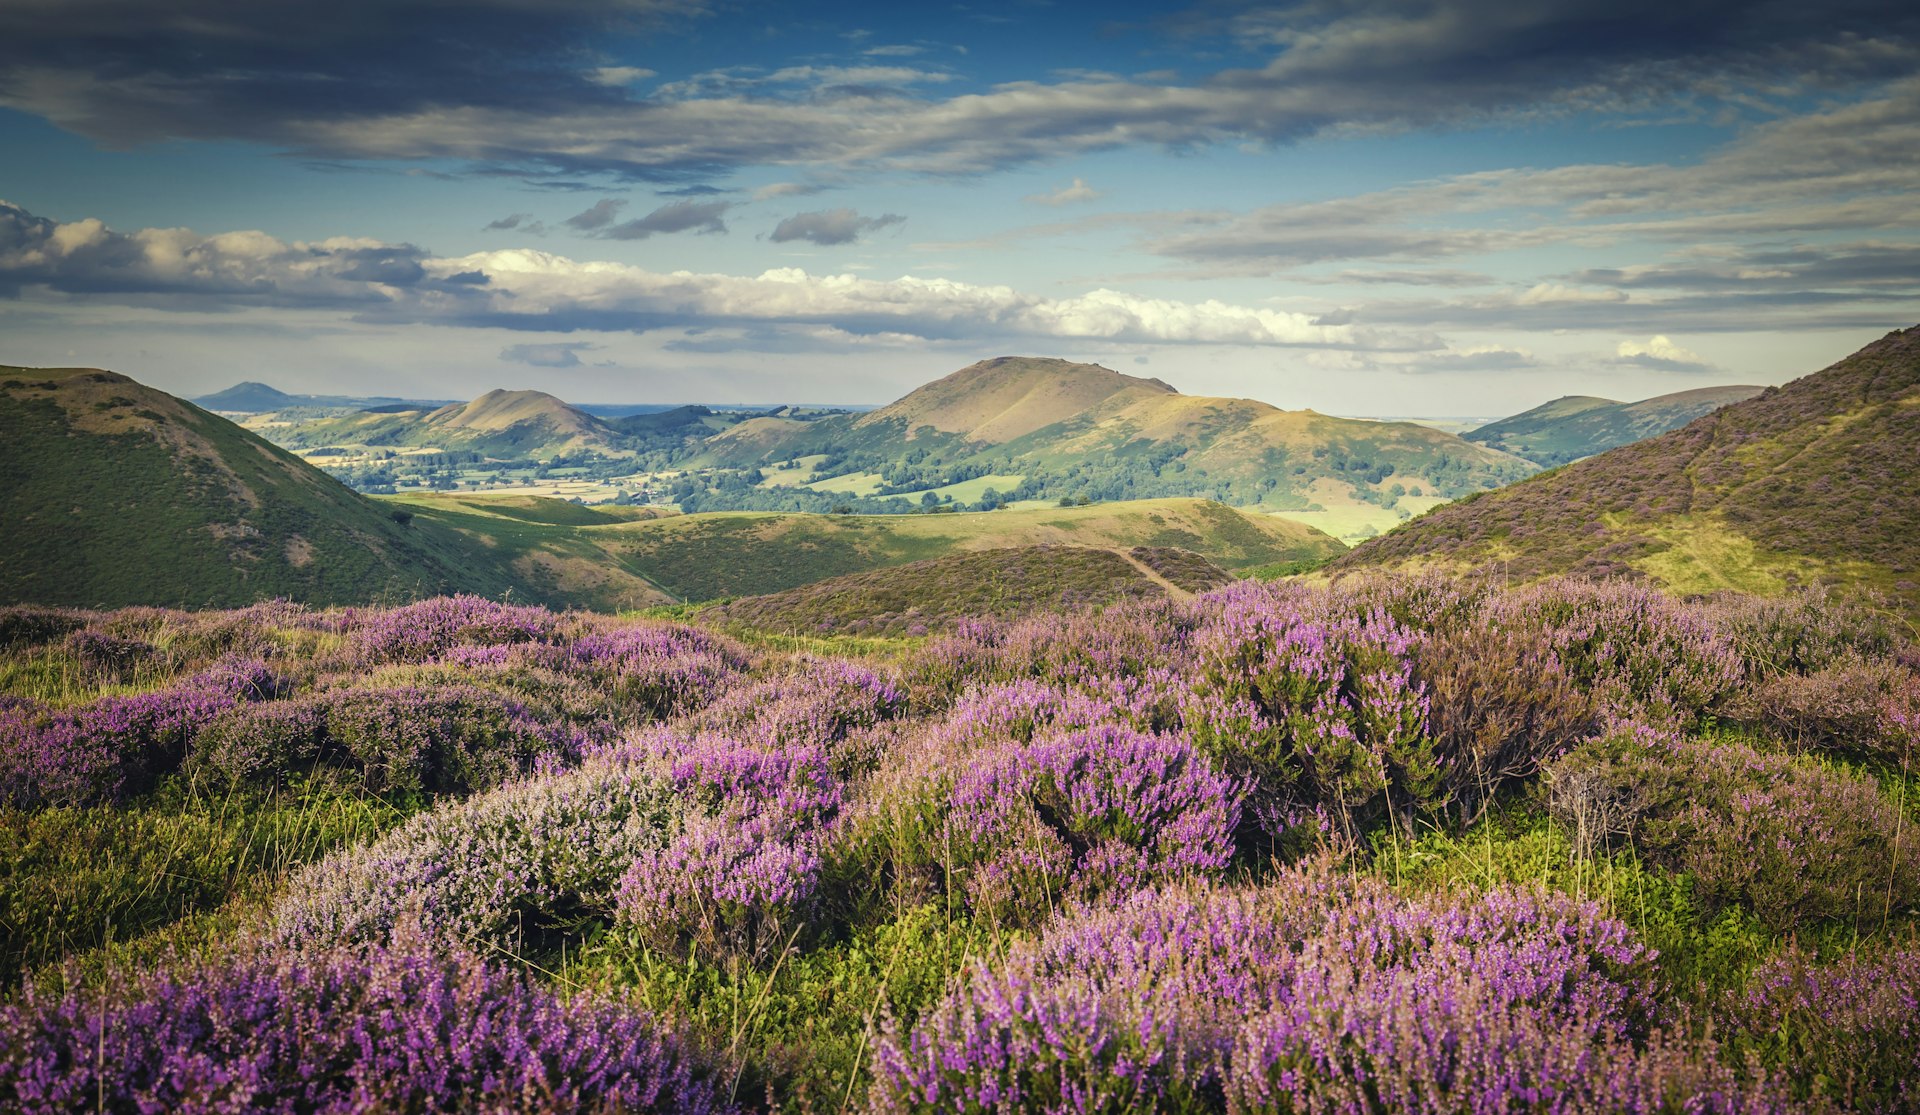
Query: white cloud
{"points": [[1555, 294], [1066, 195], [1660, 349]]}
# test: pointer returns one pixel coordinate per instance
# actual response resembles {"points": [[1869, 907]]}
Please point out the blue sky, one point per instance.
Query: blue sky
{"points": [[1435, 207]]}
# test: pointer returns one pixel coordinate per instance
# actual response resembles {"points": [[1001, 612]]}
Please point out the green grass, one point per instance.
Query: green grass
{"points": [[73, 880]]}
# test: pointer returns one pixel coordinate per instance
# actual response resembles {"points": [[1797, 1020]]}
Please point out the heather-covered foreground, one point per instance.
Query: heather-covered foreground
{"points": [[1396, 845]]}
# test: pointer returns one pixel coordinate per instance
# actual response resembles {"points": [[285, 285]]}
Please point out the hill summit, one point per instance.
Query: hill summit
{"points": [[998, 400], [1577, 426], [1812, 481], [120, 494]]}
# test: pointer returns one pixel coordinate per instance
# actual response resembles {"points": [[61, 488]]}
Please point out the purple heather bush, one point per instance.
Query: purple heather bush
{"points": [[440, 740], [532, 854], [1791, 839], [723, 888], [29, 625], [1855, 705], [1806, 632], [1847, 1030], [430, 628], [1318, 705], [116, 746], [1644, 655], [1083, 813], [1316, 992], [812, 701], [400, 1029]]}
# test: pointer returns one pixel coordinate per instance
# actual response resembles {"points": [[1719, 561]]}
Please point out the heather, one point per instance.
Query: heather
{"points": [[1385, 844]]}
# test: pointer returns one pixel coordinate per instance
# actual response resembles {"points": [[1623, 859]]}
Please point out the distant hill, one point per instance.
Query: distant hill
{"points": [[1813, 481], [117, 494], [499, 423], [615, 557], [251, 397], [922, 596], [1047, 429], [1576, 426]]}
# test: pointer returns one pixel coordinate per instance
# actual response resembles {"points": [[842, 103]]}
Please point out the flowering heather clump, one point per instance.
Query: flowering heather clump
{"points": [[1854, 706], [385, 1029], [1314, 993], [529, 854], [447, 739], [1794, 841], [1847, 1030], [655, 671], [1099, 809], [1644, 655], [737, 878], [115, 746], [1127, 641], [1320, 707], [425, 630], [816, 701], [29, 625], [1806, 632], [723, 887]]}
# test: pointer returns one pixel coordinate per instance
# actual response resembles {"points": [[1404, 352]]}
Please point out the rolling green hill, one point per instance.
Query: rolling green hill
{"points": [[1810, 482], [116, 494], [1055, 429], [622, 561], [497, 424], [1577, 426], [920, 596]]}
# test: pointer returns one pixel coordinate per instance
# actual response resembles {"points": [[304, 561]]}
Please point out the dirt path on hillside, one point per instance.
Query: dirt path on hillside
{"points": [[1147, 571]]}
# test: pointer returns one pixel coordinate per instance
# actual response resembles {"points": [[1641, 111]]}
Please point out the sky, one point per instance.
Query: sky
{"points": [[1406, 207]]}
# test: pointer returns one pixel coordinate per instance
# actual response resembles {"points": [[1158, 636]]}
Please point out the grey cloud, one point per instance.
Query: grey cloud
{"points": [[828, 227], [517, 222], [563, 355], [701, 216], [602, 213], [397, 79]]}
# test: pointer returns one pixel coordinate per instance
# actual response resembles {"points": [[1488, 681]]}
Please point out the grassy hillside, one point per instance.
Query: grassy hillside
{"points": [[117, 494], [630, 562], [1052, 429], [920, 596], [1577, 426], [497, 424], [1813, 481]]}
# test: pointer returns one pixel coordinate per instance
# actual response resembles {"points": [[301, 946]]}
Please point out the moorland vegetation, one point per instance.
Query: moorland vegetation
{"points": [[1388, 844]]}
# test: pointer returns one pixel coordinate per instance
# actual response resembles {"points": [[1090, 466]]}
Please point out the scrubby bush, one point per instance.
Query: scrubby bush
{"points": [[1847, 1030], [1082, 813], [1316, 992], [447, 740], [527, 858], [116, 746], [1854, 705], [430, 628], [1786, 837], [400, 1029], [1317, 705]]}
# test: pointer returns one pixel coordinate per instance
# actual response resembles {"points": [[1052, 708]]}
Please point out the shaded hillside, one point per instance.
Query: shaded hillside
{"points": [[253, 397], [497, 424], [1811, 481], [1052, 429], [112, 493], [921, 596], [631, 563], [1577, 426]]}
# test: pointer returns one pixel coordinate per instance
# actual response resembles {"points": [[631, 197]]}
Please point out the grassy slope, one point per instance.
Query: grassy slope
{"points": [[1813, 481], [117, 494], [704, 557], [908, 599], [1568, 429]]}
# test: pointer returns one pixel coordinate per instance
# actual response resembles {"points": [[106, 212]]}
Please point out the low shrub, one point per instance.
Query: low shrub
{"points": [[399, 1029], [1315, 992], [1845, 1031], [1792, 840], [1853, 706], [525, 860]]}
